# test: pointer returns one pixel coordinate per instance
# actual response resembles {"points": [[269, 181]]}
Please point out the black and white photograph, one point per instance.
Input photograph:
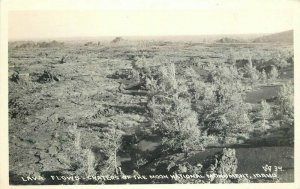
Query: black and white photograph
{"points": [[149, 92]]}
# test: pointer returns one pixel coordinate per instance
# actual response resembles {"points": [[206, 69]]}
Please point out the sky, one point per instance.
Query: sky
{"points": [[62, 18]]}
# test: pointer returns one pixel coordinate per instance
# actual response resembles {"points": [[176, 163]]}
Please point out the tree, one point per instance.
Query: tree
{"points": [[263, 76], [82, 159], [170, 112], [111, 144], [265, 114], [286, 110], [219, 103], [91, 160], [252, 72], [273, 74]]}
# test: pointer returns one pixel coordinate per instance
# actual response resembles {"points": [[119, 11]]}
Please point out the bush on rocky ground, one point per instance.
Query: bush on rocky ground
{"points": [[47, 77]]}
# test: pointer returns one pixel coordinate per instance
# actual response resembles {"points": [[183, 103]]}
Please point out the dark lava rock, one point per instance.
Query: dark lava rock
{"points": [[47, 77]]}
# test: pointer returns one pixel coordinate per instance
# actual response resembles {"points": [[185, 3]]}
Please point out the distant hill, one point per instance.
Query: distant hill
{"points": [[32, 44], [117, 40], [229, 40], [282, 37]]}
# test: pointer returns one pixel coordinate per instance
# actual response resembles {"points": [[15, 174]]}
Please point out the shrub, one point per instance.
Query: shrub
{"points": [[15, 77], [142, 71], [47, 77], [170, 112], [219, 103]]}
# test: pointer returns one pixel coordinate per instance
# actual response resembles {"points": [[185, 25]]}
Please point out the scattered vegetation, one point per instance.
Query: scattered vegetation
{"points": [[152, 108], [31, 44]]}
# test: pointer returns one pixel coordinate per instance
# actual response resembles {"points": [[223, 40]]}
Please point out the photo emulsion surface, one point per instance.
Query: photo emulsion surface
{"points": [[113, 108]]}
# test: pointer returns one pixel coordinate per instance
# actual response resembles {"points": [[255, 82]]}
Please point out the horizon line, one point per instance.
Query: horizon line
{"points": [[126, 35]]}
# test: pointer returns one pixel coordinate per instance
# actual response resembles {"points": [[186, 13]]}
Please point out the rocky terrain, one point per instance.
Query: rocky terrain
{"points": [[83, 110]]}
